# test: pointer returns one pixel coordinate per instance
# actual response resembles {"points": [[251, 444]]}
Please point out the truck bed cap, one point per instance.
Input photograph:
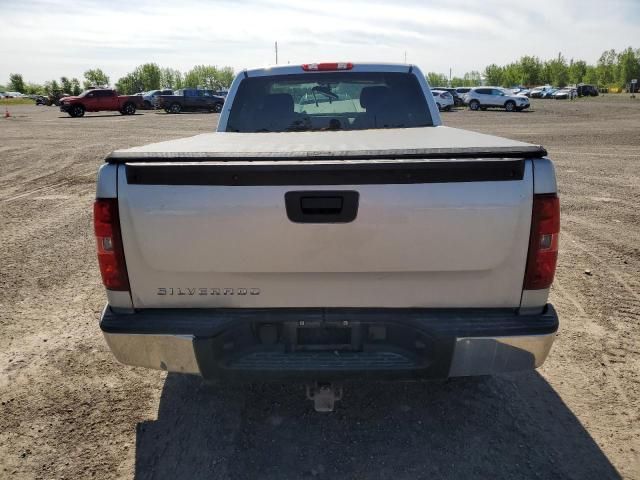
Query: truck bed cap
{"points": [[423, 143]]}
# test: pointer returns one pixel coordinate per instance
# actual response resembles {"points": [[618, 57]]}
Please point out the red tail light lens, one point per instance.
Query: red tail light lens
{"points": [[326, 67], [543, 244], [106, 224]]}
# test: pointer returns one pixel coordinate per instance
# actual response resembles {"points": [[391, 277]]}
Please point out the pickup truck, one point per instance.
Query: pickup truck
{"points": [[190, 100], [150, 98], [355, 238], [100, 99]]}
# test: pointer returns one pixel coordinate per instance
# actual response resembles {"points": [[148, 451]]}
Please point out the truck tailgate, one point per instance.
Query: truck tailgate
{"points": [[439, 232]]}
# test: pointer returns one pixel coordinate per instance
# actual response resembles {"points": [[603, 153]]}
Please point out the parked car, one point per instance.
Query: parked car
{"points": [[56, 98], [462, 91], [565, 93], [389, 247], [444, 100], [42, 100], [586, 90], [191, 100], [457, 98], [150, 98], [100, 99], [492, 97], [538, 92], [520, 91], [548, 93]]}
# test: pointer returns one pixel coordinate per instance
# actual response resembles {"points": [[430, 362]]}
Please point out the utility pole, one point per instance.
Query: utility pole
{"points": [[449, 76], [276, 52], [405, 56]]}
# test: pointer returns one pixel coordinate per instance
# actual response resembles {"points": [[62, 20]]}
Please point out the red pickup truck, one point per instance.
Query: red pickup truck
{"points": [[100, 99]]}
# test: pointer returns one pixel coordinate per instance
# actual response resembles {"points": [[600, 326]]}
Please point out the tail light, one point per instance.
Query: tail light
{"points": [[543, 243], [106, 224], [326, 67]]}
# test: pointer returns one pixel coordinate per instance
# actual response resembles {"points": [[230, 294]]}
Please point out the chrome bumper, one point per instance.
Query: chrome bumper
{"points": [[471, 356], [487, 356], [172, 353]]}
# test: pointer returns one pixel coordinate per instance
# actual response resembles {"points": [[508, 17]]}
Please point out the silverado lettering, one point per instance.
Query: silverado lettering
{"points": [[207, 291]]}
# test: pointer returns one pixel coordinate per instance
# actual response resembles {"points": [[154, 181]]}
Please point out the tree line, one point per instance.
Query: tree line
{"points": [[612, 70], [148, 76]]}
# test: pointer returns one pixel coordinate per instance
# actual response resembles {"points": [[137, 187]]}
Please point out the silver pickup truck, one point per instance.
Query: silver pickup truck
{"points": [[330, 229]]}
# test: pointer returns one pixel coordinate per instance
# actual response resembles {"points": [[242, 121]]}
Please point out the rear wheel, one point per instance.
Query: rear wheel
{"points": [[217, 108], [510, 106], [128, 109], [474, 105], [175, 108]]}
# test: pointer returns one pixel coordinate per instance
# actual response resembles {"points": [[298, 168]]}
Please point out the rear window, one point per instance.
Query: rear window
{"points": [[328, 101]]}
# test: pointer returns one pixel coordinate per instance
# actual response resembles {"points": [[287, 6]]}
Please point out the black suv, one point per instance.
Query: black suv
{"points": [[585, 90]]}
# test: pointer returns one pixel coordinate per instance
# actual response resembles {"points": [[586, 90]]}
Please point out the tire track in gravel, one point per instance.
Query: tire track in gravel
{"points": [[617, 274], [597, 330]]}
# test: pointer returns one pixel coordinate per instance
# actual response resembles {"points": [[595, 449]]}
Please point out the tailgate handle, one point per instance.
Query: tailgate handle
{"points": [[322, 206]]}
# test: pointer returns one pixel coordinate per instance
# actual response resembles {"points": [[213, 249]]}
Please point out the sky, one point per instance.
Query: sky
{"points": [[46, 39]]}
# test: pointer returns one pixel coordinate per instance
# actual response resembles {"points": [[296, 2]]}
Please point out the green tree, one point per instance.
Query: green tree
{"points": [[208, 77], [65, 84], [16, 83], [170, 78], [472, 78], [95, 78], [628, 67], [557, 72], [590, 75], [531, 71], [437, 79], [494, 75], [606, 67], [33, 89], [75, 87], [51, 88], [226, 76], [577, 71], [129, 84], [149, 75], [512, 75]]}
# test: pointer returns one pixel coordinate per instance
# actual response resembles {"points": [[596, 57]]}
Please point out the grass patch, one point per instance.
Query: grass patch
{"points": [[17, 101]]}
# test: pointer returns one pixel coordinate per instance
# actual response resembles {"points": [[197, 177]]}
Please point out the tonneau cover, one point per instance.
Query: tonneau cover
{"points": [[423, 143]]}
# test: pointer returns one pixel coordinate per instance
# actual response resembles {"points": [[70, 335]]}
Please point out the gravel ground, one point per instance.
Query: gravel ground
{"points": [[68, 410]]}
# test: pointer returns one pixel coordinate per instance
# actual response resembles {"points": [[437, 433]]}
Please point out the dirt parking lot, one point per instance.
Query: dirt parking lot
{"points": [[68, 410]]}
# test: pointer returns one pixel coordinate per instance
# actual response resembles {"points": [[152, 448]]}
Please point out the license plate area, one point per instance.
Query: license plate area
{"points": [[324, 336]]}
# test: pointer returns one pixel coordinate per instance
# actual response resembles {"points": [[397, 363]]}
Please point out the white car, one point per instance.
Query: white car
{"points": [[565, 93], [492, 97], [444, 100]]}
